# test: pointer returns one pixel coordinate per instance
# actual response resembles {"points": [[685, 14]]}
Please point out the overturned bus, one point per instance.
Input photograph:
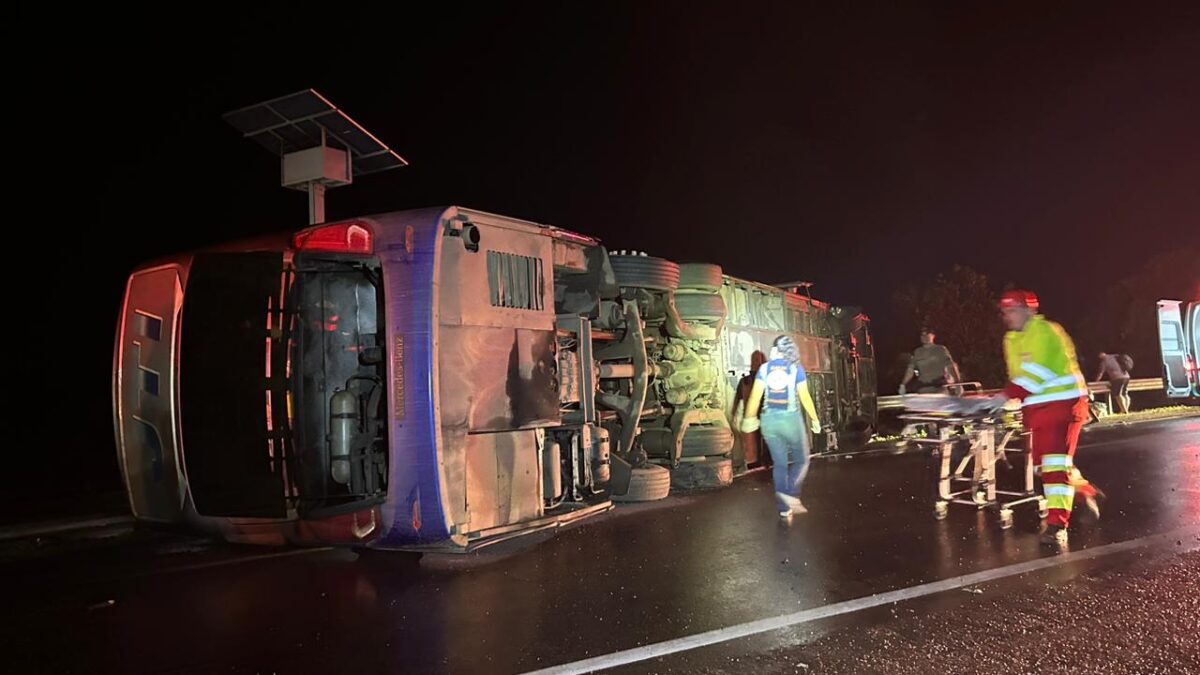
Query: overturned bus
{"points": [[443, 379]]}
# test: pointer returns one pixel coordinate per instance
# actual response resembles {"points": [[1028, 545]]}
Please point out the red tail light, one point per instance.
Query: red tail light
{"points": [[352, 236]]}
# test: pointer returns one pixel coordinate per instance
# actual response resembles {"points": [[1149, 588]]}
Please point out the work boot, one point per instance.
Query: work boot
{"points": [[1054, 535], [798, 508]]}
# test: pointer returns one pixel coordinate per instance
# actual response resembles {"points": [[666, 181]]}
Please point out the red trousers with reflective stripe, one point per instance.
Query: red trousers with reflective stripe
{"points": [[1054, 430]]}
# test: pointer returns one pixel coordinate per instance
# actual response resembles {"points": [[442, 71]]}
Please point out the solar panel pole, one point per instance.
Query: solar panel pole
{"points": [[316, 202]]}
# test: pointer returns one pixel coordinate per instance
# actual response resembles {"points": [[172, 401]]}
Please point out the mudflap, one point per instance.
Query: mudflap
{"points": [[622, 471]]}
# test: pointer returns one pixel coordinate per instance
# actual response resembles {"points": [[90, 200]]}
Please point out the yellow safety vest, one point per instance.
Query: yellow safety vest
{"points": [[1041, 360]]}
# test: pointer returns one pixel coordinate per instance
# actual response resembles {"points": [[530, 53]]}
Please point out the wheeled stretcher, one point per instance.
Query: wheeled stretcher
{"points": [[950, 421]]}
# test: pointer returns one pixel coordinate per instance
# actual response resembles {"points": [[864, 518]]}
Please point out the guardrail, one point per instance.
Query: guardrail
{"points": [[1140, 384]]}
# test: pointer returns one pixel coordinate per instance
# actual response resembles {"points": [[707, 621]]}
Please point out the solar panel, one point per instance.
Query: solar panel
{"points": [[294, 122]]}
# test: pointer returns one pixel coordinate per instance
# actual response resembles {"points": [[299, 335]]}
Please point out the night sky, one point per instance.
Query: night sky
{"points": [[1052, 145]]}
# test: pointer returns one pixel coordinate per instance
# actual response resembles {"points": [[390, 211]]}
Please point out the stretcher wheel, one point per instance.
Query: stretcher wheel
{"points": [[980, 497], [1006, 519], [940, 510]]}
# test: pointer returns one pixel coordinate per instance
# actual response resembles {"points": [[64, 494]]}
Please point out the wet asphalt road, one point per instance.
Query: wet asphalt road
{"points": [[165, 603], [1138, 613]]}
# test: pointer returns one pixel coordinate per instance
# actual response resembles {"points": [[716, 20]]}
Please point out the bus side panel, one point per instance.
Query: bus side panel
{"points": [[496, 366]]}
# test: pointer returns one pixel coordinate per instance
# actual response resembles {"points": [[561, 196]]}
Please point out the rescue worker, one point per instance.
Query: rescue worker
{"points": [[932, 365], [1044, 373], [784, 385]]}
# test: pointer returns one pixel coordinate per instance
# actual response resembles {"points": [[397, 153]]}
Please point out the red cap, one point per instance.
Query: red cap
{"points": [[1018, 298]]}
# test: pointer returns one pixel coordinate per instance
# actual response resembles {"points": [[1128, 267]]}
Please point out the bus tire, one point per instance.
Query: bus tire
{"points": [[642, 271], [646, 484], [700, 441], [701, 277], [713, 472], [699, 307]]}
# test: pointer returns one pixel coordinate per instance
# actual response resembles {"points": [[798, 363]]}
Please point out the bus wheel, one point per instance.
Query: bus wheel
{"points": [[700, 277], [643, 271], [710, 472], [646, 484], [697, 307]]}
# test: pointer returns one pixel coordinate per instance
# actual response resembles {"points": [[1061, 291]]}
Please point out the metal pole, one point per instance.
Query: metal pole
{"points": [[316, 202]]}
